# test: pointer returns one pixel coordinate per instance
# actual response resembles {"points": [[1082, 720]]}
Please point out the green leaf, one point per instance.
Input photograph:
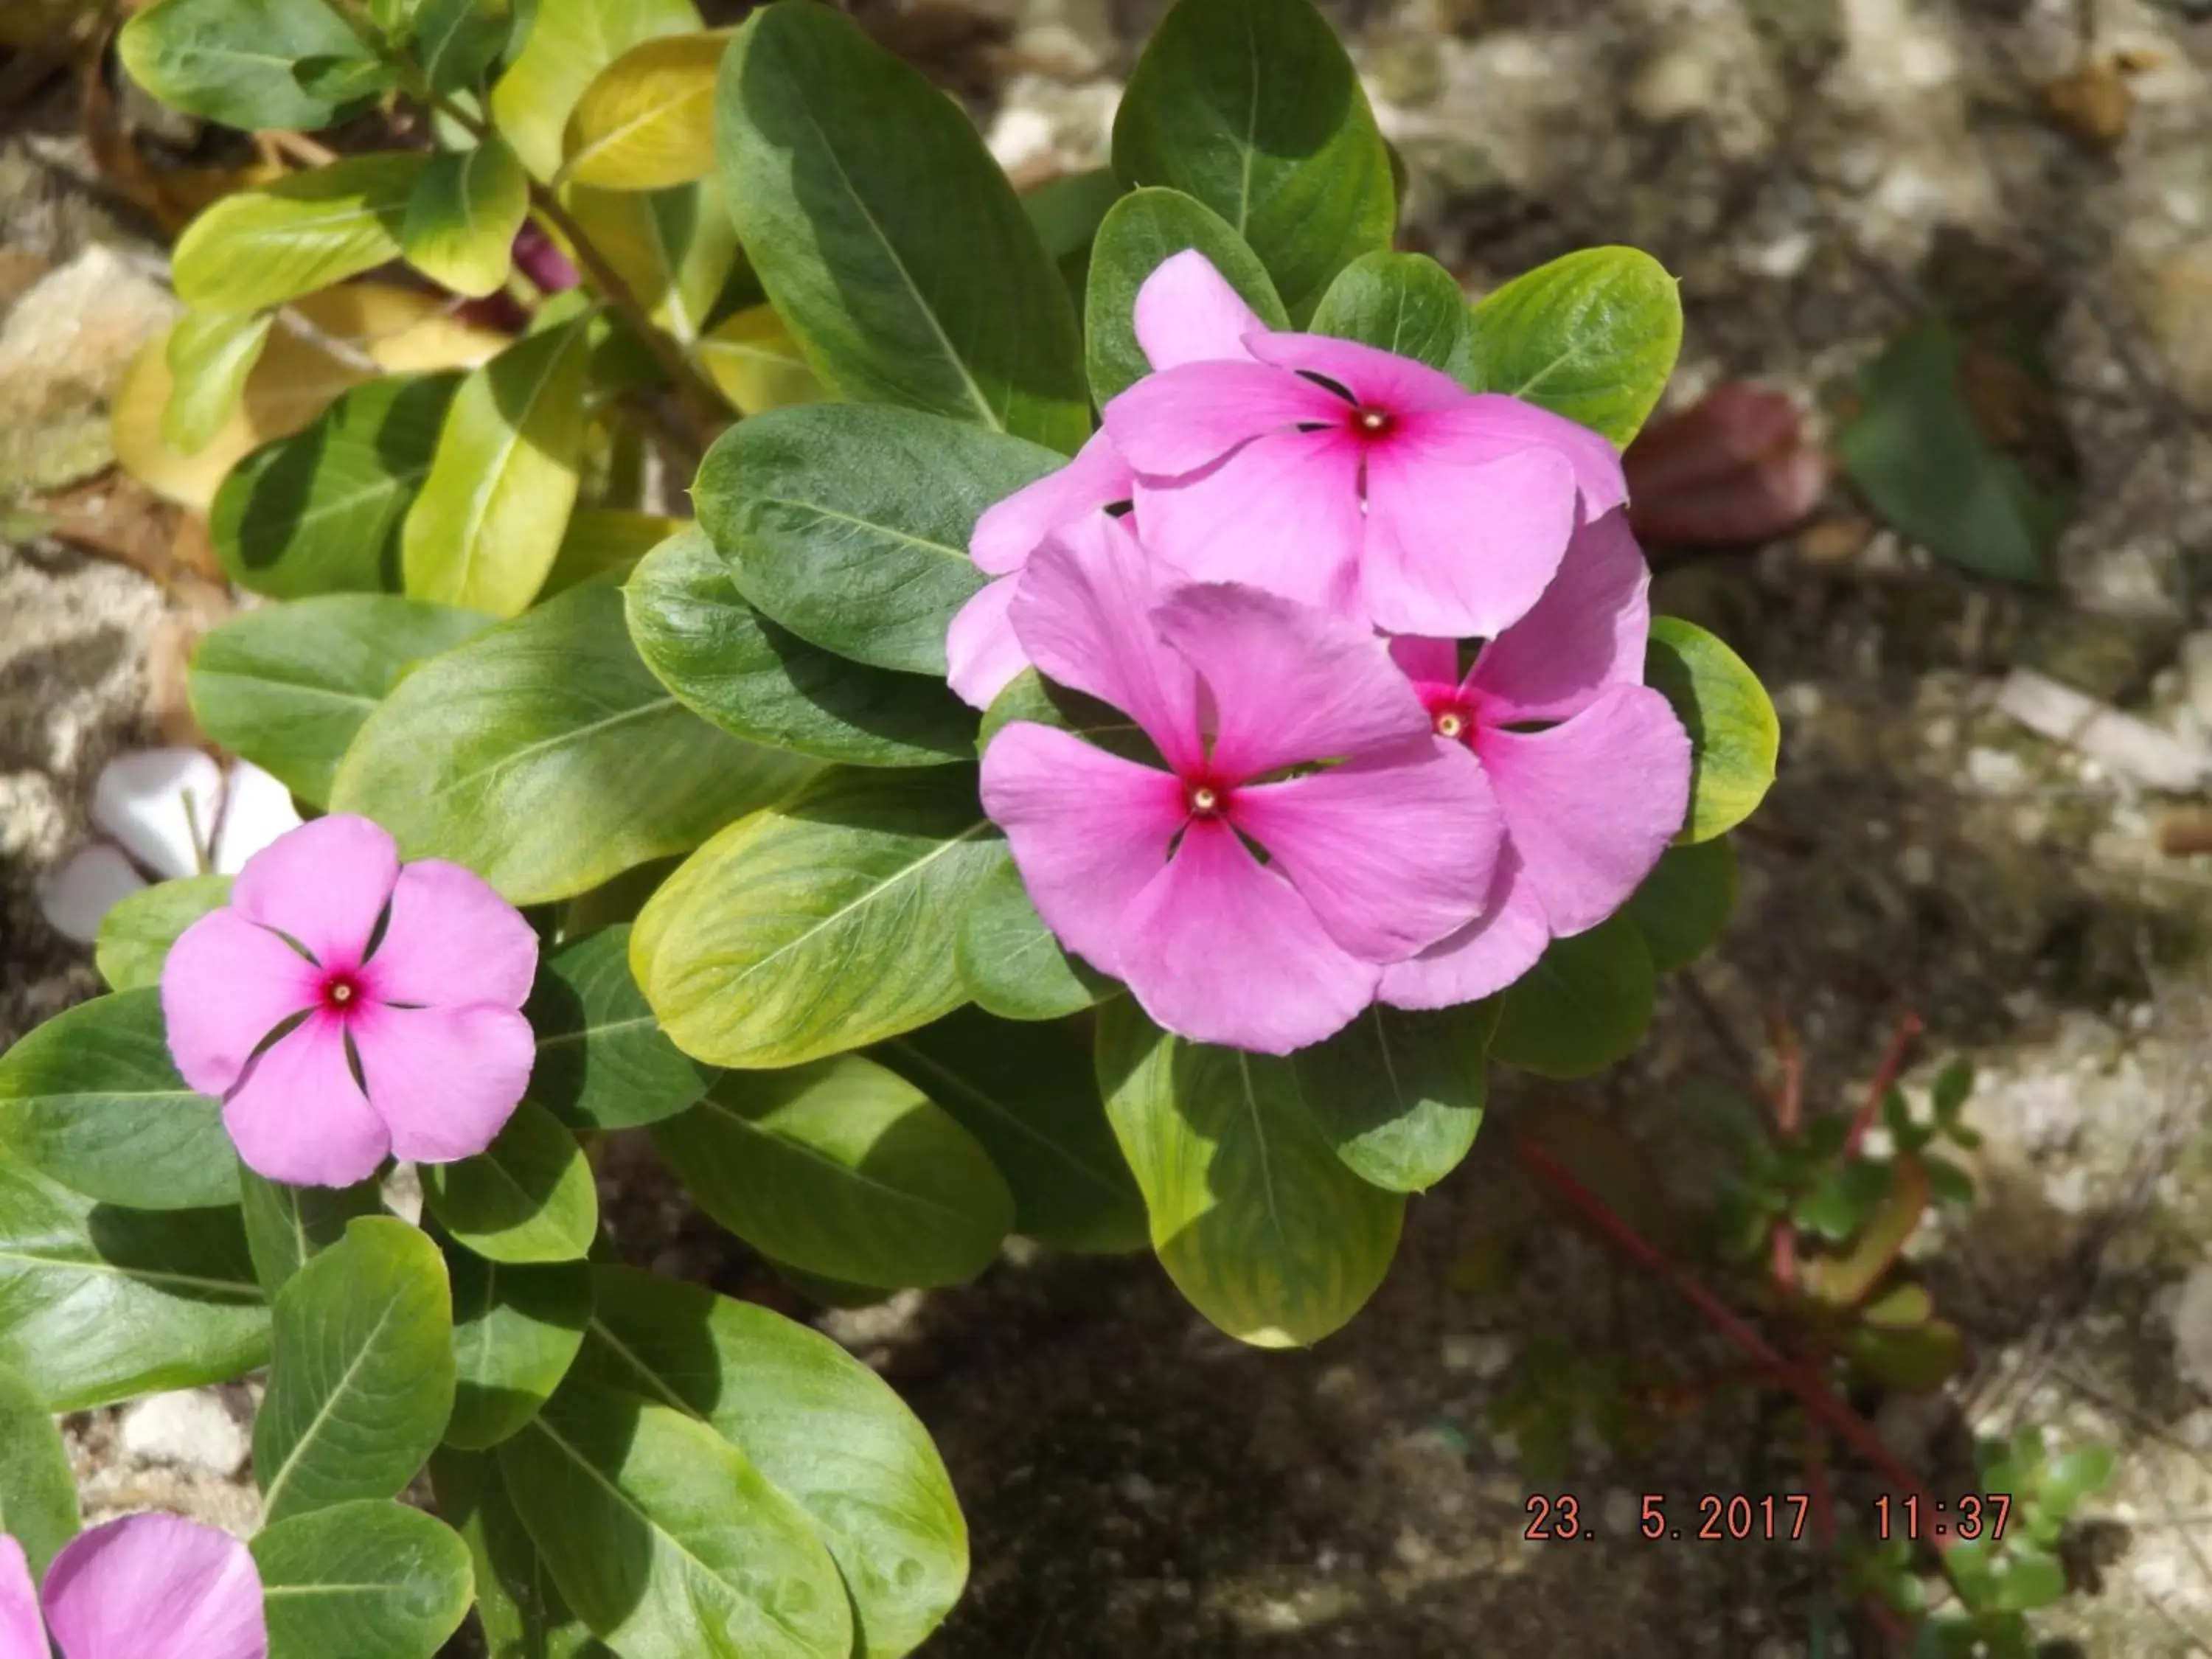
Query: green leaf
{"points": [[344, 82], [91, 1099], [287, 1225], [666, 1540], [1947, 1181], [288, 686], [729, 664], [38, 1492], [1068, 211], [1400, 1093], [603, 1061], [321, 511], [755, 363], [842, 1169], [361, 1376], [98, 1303], [568, 43], [825, 1429], [307, 230], [1139, 234], [363, 1581], [1954, 1084], [2073, 1475], [849, 525], [543, 754], [1901, 1307], [1735, 737], [1845, 1279], [209, 357], [455, 41], [1402, 302], [461, 220], [886, 236], [1028, 1093], [1584, 1005], [1685, 903], [135, 937], [486, 528], [231, 60], [821, 924], [1011, 962], [675, 249], [1252, 1213], [1252, 107], [646, 121], [528, 1197], [1592, 336], [522, 1614], [1918, 1359], [1840, 1205], [602, 541], [516, 1331], [1030, 696]]}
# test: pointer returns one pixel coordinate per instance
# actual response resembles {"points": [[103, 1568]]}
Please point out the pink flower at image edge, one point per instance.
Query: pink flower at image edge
{"points": [[145, 1587]]}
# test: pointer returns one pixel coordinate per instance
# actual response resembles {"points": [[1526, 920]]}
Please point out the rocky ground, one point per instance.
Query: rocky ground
{"points": [[1818, 173]]}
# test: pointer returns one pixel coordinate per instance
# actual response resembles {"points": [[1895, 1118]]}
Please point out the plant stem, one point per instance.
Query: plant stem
{"points": [[1788, 1111], [1885, 1080]]}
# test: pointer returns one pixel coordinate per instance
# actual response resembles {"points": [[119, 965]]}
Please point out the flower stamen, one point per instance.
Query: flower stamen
{"points": [[1372, 421], [1204, 800], [1450, 724]]}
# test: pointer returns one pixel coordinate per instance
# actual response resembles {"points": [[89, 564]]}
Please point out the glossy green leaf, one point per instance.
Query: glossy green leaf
{"points": [[728, 663], [1030, 696], [543, 754], [516, 1331], [843, 1168], [887, 238], [1402, 302], [361, 1374], [1684, 904], [569, 42], [1583, 1006], [135, 937], [91, 1099], [319, 512], [1011, 962], [37, 1490], [1735, 737], [288, 686], [528, 1197], [231, 60], [821, 924], [754, 362], [675, 249], [455, 41], [307, 230], [849, 525], [98, 1303], [1400, 1092], [461, 220], [646, 121], [1140, 233], [603, 1061], [210, 356], [1068, 211], [287, 1225], [1030, 1095], [1259, 1223], [604, 541], [521, 1613], [368, 1580], [344, 82], [666, 1540], [825, 1429], [1592, 336], [1253, 107]]}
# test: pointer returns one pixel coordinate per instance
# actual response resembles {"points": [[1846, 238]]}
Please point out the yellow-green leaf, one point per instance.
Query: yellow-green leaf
{"points": [[461, 220], [209, 357], [756, 365], [570, 41], [646, 121], [673, 249], [261, 247]]}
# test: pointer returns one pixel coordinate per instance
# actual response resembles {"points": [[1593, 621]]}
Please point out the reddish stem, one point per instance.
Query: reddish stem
{"points": [[1789, 1113], [1885, 1080]]}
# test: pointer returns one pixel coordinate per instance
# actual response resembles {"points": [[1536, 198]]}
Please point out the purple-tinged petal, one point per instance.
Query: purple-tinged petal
{"points": [[1393, 851], [1008, 533], [256, 810], [1175, 423], [1491, 423], [981, 651], [1426, 662], [95, 881], [1220, 949], [300, 1118], [1287, 683], [325, 885], [21, 1635], [451, 939], [1087, 829], [444, 1080], [1587, 632], [1459, 546], [140, 799], [226, 985], [1591, 803], [1282, 513], [1187, 313], [1084, 616], [1378, 379], [1483, 957], [156, 1587]]}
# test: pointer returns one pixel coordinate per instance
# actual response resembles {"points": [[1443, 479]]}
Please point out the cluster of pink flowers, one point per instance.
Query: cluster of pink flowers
{"points": [[1387, 637]]}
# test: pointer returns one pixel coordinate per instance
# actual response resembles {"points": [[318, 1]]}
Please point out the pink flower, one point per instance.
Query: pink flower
{"points": [[346, 1009], [1283, 729], [146, 1587], [1589, 767]]}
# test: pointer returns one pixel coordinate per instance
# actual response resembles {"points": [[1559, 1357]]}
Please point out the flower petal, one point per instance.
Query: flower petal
{"points": [[1281, 514], [444, 1080], [1426, 662], [980, 647], [1587, 632], [140, 800], [1187, 313], [1221, 950], [300, 1118], [156, 1587], [1591, 803], [1288, 684], [1483, 957], [1458, 544], [256, 810], [1490, 423], [1381, 379], [324, 884], [1179, 420], [1393, 851], [21, 1635], [226, 985], [93, 881], [1087, 829], [1008, 533], [451, 939]]}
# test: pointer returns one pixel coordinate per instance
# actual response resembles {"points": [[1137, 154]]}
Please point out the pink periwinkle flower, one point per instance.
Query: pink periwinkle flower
{"points": [[1591, 767], [346, 1009], [146, 1587], [1284, 730]]}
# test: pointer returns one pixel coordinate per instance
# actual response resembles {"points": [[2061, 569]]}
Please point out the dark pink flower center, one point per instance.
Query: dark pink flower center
{"points": [[1207, 796], [340, 992], [1370, 422], [1451, 712]]}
